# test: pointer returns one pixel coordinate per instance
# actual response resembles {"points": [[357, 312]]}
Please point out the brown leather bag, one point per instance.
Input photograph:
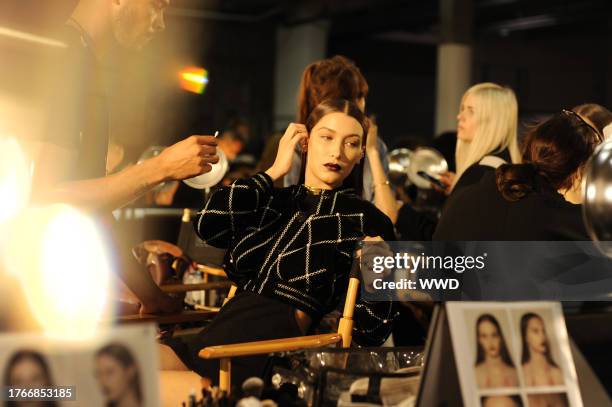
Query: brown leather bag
{"points": [[165, 261]]}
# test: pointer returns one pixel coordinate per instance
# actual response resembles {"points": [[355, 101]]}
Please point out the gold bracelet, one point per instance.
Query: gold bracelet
{"points": [[382, 183]]}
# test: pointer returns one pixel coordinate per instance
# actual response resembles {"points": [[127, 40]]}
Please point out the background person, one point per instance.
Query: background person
{"points": [[70, 159], [538, 200], [486, 138]]}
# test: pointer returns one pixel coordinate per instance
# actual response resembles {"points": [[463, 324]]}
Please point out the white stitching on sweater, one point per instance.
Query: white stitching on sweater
{"points": [[295, 236], [319, 204], [298, 292], [291, 297], [216, 236], [300, 278], [333, 204], [295, 215]]}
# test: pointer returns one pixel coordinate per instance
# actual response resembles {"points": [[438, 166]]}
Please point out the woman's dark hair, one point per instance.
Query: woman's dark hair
{"points": [[526, 355], [503, 350], [37, 358], [355, 178], [124, 357], [597, 114], [554, 151], [333, 78]]}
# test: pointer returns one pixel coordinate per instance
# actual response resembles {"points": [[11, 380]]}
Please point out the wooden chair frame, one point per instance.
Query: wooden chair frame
{"points": [[342, 338]]}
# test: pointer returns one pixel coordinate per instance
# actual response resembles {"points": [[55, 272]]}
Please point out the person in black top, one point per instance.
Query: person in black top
{"points": [[290, 250], [486, 138], [536, 200], [72, 162], [70, 166]]}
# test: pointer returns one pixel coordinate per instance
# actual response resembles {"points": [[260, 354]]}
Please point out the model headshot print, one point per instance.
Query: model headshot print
{"points": [[501, 401], [539, 366], [30, 369], [493, 366], [118, 376]]}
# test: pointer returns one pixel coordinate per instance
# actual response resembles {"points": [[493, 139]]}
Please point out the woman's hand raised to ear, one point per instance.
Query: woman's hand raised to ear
{"points": [[282, 164]]}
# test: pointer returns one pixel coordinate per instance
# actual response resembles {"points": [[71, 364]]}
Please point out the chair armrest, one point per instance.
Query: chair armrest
{"points": [[270, 346], [179, 318], [183, 288], [213, 271]]}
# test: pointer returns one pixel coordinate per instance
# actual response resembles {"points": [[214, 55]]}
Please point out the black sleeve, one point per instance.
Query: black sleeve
{"points": [[373, 322], [232, 208], [69, 78], [377, 223], [414, 226], [471, 176], [374, 319]]}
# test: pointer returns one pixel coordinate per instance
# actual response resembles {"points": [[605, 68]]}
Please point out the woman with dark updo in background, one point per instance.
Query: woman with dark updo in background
{"points": [[539, 199]]}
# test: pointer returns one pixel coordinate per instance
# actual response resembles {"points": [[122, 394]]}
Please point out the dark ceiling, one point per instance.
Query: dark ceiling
{"points": [[407, 20], [411, 20]]}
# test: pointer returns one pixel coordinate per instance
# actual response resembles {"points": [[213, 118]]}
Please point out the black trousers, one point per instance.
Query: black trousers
{"points": [[245, 318]]}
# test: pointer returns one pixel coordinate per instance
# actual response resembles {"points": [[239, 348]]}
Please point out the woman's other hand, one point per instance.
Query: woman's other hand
{"points": [[448, 179], [372, 139], [294, 134]]}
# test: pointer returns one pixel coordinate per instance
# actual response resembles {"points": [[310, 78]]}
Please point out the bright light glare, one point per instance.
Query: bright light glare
{"points": [[60, 258], [14, 179], [591, 192], [24, 36], [608, 193], [194, 79]]}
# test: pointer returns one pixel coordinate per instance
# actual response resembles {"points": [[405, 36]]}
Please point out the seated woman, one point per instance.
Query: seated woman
{"points": [[339, 78], [537, 200], [290, 250], [486, 138]]}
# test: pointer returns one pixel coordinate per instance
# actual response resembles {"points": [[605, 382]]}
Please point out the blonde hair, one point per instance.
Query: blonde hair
{"points": [[496, 117]]}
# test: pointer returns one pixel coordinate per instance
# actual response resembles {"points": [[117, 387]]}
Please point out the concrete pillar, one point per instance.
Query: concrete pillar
{"points": [[454, 72], [296, 47]]}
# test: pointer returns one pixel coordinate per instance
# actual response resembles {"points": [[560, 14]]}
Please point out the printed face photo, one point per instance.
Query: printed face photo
{"points": [[112, 370], [547, 400], [540, 362], [513, 354], [501, 401], [118, 375], [494, 365]]}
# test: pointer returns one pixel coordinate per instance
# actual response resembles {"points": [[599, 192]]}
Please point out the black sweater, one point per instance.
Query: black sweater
{"points": [[295, 246], [479, 212]]}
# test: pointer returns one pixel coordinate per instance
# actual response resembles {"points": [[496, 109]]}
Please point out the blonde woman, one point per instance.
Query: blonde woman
{"points": [[486, 138], [486, 133]]}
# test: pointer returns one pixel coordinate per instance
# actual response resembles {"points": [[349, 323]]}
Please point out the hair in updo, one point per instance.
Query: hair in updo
{"points": [[555, 151], [332, 78]]}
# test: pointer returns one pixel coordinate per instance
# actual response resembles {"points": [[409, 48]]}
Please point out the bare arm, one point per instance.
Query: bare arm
{"points": [[185, 159], [384, 198]]}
